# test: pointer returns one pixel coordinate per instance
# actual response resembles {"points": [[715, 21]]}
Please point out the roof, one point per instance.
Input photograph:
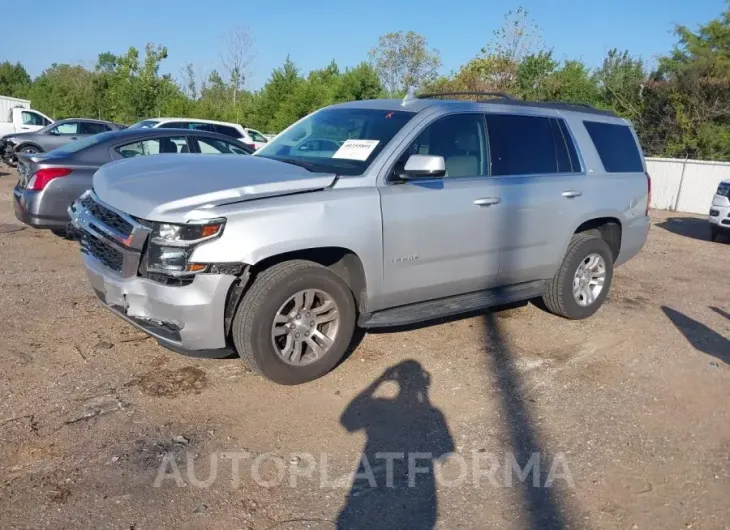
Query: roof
{"points": [[84, 120], [417, 104], [200, 120]]}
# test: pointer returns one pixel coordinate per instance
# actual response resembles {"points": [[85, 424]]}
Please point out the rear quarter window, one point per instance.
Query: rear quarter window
{"points": [[616, 147]]}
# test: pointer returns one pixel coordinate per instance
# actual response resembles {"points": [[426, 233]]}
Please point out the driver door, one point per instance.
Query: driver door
{"points": [[62, 134], [441, 236]]}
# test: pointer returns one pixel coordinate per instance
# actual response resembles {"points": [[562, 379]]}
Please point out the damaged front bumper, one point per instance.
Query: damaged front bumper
{"points": [[188, 319]]}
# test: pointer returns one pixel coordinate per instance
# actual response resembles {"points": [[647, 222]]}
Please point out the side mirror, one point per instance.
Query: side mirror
{"points": [[54, 132], [424, 166]]}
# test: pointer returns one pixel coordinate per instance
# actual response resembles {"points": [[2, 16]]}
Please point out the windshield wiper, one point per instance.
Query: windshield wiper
{"points": [[306, 165]]}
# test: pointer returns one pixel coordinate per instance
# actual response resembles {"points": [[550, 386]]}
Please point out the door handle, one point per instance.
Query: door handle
{"points": [[74, 138], [572, 194], [487, 201]]}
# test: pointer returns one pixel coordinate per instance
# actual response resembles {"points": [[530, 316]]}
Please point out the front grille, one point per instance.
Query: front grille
{"points": [[108, 256], [107, 216]]}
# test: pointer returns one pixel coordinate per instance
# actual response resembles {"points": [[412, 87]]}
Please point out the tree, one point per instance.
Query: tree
{"points": [[403, 61], [14, 80], [689, 94], [189, 81], [621, 81], [236, 58]]}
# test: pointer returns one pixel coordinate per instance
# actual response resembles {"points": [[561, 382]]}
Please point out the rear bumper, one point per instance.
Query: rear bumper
{"points": [[32, 208], [633, 238], [187, 319]]}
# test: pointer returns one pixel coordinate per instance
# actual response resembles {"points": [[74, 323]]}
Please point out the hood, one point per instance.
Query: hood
{"points": [[178, 188], [12, 136]]}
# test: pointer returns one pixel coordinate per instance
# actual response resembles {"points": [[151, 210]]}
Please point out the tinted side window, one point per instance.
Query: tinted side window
{"points": [[521, 145], [93, 128], [460, 139], [228, 131], [616, 147], [155, 146], [213, 146], [572, 151]]}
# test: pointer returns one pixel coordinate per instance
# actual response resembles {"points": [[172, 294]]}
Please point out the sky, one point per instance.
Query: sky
{"points": [[76, 31]]}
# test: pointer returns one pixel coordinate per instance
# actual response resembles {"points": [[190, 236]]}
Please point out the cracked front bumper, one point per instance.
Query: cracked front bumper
{"points": [[187, 319]]}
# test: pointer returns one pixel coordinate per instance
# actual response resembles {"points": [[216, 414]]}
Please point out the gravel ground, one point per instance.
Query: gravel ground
{"points": [[622, 417]]}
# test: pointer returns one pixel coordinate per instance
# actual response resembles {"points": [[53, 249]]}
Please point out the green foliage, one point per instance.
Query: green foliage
{"points": [[680, 109], [14, 80], [404, 61]]}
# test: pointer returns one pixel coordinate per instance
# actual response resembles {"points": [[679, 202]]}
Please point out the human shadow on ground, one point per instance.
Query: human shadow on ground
{"points": [[395, 484], [700, 336]]}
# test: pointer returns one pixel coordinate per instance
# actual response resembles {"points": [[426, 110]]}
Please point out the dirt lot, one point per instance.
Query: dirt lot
{"points": [[626, 412]]}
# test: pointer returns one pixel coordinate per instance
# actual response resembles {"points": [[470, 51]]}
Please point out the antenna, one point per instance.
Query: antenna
{"points": [[410, 96]]}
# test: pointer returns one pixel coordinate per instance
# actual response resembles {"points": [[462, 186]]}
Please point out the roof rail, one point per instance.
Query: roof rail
{"points": [[442, 94]]}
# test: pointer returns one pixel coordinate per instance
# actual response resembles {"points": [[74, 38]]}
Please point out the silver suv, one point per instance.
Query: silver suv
{"points": [[372, 214]]}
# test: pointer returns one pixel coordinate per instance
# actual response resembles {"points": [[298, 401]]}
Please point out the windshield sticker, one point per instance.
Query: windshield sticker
{"points": [[356, 149]]}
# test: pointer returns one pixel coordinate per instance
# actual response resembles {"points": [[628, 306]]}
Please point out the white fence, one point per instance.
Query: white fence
{"points": [[685, 185]]}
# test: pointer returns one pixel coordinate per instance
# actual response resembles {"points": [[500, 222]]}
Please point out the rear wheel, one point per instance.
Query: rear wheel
{"points": [[581, 285], [295, 322]]}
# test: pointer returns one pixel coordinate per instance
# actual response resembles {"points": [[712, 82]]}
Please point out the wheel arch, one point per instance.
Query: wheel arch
{"points": [[608, 228], [341, 260], [29, 144]]}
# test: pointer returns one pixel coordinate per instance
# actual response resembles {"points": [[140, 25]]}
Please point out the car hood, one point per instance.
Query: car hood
{"points": [[20, 136], [182, 187]]}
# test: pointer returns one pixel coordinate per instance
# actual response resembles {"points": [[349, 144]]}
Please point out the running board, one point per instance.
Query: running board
{"points": [[452, 305]]}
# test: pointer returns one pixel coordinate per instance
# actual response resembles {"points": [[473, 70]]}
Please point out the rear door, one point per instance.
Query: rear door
{"points": [[535, 163], [441, 236]]}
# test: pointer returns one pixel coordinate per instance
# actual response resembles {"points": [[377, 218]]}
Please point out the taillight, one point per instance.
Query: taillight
{"points": [[42, 177], [648, 193]]}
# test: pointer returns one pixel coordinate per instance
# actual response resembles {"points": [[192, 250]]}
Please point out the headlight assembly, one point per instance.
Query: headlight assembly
{"points": [[171, 245]]}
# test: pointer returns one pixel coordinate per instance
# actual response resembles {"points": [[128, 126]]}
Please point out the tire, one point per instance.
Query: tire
{"points": [[31, 150], [61, 232], [558, 297], [252, 324]]}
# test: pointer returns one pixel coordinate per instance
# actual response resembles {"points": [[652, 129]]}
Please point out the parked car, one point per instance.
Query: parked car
{"points": [[720, 212], [50, 182], [428, 208], [256, 138], [250, 137], [16, 116], [51, 137]]}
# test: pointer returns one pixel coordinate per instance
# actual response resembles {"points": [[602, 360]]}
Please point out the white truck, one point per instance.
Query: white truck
{"points": [[16, 116]]}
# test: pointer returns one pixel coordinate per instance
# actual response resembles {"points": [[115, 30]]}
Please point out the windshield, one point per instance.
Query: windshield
{"points": [[78, 145], [343, 141], [144, 124]]}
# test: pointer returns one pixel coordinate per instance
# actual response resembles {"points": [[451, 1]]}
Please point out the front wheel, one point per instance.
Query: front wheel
{"points": [[29, 149], [295, 323], [581, 285]]}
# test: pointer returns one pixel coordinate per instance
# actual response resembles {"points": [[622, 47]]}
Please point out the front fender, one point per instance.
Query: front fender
{"points": [[260, 229]]}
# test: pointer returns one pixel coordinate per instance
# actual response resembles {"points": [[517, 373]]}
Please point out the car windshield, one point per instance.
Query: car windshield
{"points": [[343, 141], [144, 124], [78, 145]]}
